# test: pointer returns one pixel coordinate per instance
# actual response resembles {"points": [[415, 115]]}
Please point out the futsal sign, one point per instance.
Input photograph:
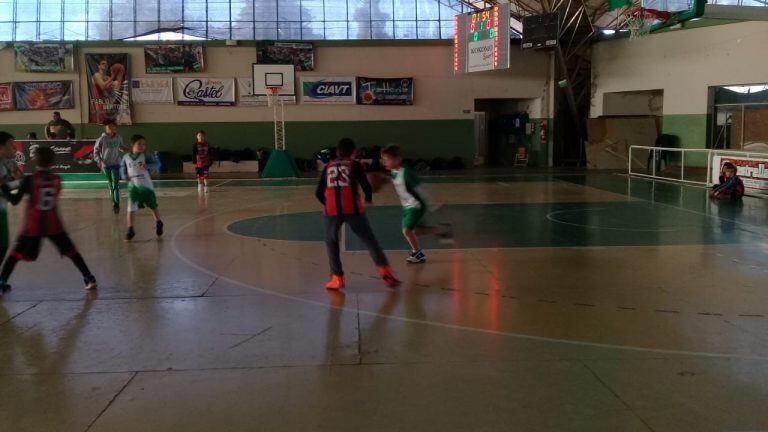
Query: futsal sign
{"points": [[6, 96], [205, 91], [315, 90], [481, 40]]}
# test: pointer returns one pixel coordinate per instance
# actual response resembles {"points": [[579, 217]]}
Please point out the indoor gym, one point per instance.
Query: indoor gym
{"points": [[592, 286]]}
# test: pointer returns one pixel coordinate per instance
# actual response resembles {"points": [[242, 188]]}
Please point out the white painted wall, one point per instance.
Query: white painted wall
{"points": [[682, 63], [438, 93]]}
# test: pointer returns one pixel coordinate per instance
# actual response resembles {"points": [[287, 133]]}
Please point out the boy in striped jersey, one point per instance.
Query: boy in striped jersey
{"points": [[136, 168], [339, 192], [415, 202], [41, 220]]}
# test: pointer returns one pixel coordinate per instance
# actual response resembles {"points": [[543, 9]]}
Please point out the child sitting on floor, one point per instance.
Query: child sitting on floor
{"points": [[730, 185]]}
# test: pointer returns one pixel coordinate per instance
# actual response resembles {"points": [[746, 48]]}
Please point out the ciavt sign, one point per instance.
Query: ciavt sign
{"points": [[481, 40]]}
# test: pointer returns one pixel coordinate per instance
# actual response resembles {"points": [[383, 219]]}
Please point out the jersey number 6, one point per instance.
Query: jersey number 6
{"points": [[47, 198]]}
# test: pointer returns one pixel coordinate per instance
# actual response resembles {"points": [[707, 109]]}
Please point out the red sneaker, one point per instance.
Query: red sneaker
{"points": [[336, 283], [389, 278]]}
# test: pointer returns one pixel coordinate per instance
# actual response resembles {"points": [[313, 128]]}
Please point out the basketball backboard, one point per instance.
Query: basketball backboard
{"points": [[265, 75]]}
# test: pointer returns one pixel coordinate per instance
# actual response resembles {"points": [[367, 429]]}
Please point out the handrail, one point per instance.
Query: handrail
{"points": [[710, 153]]}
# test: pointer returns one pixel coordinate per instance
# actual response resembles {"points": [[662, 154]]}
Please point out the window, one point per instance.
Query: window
{"points": [[40, 20]]}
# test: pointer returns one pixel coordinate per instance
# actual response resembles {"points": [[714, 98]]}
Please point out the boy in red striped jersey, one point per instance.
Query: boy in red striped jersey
{"points": [[201, 154], [41, 220], [339, 192]]}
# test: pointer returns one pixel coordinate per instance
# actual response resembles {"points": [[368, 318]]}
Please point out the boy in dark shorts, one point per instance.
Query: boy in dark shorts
{"points": [[339, 192], [201, 156], [41, 220]]}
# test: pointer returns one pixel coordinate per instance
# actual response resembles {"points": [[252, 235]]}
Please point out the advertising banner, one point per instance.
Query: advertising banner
{"points": [[158, 91], [331, 90], [31, 57], [75, 156], [753, 171], [108, 95], [384, 91], [43, 95], [301, 55], [6, 96], [245, 95], [173, 58], [205, 91]]}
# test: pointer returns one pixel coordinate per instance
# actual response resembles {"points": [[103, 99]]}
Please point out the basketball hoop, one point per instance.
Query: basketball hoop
{"points": [[635, 19], [273, 95]]}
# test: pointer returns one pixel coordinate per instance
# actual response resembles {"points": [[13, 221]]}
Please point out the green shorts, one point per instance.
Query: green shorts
{"points": [[4, 242], [139, 197], [413, 217]]}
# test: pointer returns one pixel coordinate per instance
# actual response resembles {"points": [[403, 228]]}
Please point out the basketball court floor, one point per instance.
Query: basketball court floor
{"points": [[569, 302]]}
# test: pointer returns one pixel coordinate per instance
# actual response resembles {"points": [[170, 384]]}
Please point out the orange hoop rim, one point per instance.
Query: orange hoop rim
{"points": [[639, 12], [273, 90]]}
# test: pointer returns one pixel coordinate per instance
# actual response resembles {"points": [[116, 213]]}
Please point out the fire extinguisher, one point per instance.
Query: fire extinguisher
{"points": [[543, 132]]}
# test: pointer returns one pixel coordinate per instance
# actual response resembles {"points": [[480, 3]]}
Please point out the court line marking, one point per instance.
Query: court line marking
{"points": [[549, 217], [323, 305]]}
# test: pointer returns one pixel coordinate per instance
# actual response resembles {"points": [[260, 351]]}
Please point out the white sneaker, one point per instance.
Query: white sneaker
{"points": [[417, 257], [199, 187]]}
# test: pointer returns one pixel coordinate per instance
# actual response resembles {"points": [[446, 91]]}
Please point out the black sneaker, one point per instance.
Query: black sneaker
{"points": [[4, 287], [130, 234], [159, 228], [90, 283], [116, 209]]}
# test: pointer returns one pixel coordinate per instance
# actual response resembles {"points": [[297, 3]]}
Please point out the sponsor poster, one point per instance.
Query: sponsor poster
{"points": [[173, 58], [328, 90], [480, 56], [43, 95], [301, 55], [157, 91], [71, 156], [108, 93], [205, 91], [384, 91], [245, 96], [6, 96], [31, 57], [753, 171]]}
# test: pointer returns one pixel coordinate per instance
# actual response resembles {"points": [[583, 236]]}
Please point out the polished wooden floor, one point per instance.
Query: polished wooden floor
{"points": [[574, 302]]}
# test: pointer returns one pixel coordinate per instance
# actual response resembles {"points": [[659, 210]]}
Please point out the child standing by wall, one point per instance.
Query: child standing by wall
{"points": [[201, 155], [136, 168], [108, 153], [41, 220], [415, 202]]}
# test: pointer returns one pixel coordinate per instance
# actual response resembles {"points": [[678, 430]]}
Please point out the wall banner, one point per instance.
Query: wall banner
{"points": [[108, 95], [74, 156], [173, 58], [6, 96], [152, 91], [43, 95], [328, 90], [384, 91], [205, 91], [31, 57], [753, 171]]}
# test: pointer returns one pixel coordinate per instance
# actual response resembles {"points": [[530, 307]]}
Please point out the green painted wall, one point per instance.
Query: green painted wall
{"points": [[691, 131], [420, 138]]}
